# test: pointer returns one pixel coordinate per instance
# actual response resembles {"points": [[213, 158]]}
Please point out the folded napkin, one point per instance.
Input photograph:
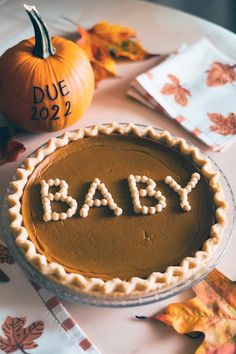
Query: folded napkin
{"points": [[34, 321], [196, 87]]}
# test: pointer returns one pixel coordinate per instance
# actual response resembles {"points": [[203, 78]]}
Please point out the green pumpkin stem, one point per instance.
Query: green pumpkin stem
{"points": [[43, 44]]}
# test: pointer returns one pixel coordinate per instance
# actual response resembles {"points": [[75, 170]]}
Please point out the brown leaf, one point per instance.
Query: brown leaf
{"points": [[180, 93], [17, 337], [223, 125], [220, 74], [105, 42], [32, 332], [9, 149], [5, 256], [101, 54], [9, 344], [212, 312]]}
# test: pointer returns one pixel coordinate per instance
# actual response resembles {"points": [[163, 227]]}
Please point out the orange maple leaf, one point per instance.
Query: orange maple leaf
{"points": [[174, 88], [105, 42], [212, 312], [220, 74], [121, 41], [223, 125]]}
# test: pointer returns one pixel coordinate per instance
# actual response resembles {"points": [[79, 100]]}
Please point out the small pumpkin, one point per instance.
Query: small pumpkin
{"points": [[46, 84]]}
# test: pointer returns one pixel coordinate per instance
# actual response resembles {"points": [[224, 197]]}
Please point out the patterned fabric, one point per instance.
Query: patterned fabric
{"points": [[34, 320], [197, 88], [66, 321]]}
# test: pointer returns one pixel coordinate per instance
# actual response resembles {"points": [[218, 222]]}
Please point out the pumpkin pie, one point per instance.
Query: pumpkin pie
{"points": [[117, 210]]}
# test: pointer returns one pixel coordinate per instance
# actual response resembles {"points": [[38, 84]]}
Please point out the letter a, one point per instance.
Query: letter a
{"points": [[106, 201]]}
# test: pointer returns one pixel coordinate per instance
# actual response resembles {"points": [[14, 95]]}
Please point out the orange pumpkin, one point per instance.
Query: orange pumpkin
{"points": [[45, 84]]}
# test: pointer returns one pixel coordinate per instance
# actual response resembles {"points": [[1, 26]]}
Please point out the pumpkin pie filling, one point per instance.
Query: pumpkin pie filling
{"points": [[106, 246]]}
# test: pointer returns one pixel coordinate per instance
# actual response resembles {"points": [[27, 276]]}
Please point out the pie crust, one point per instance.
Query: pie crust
{"points": [[116, 287]]}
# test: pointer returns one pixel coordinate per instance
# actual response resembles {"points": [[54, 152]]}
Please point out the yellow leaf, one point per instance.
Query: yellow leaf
{"points": [[112, 33], [121, 41], [105, 42], [84, 42], [131, 50], [98, 53], [101, 54], [212, 312], [99, 72]]}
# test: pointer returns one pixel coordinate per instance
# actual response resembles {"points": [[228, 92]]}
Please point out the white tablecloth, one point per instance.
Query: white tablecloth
{"points": [[162, 30]]}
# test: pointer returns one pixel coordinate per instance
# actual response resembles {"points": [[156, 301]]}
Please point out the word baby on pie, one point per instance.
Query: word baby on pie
{"points": [[107, 200]]}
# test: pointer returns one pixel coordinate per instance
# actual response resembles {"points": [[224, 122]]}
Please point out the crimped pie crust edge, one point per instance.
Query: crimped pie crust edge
{"points": [[116, 287]]}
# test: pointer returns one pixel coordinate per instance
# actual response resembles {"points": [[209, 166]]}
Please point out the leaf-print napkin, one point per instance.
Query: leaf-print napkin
{"points": [[196, 87], [34, 321]]}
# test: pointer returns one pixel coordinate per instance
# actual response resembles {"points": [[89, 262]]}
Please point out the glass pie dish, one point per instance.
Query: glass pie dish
{"points": [[100, 299]]}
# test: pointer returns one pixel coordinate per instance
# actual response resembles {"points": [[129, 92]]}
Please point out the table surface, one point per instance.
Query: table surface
{"points": [[161, 30]]}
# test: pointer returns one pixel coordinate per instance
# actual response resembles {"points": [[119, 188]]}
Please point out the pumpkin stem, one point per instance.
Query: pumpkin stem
{"points": [[43, 44]]}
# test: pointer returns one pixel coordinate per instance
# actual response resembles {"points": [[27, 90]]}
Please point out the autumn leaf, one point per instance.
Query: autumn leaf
{"points": [[174, 88], [17, 337], [122, 41], [220, 74], [223, 125], [5, 256], [105, 42], [112, 33], [84, 42], [101, 54], [212, 312], [9, 149]]}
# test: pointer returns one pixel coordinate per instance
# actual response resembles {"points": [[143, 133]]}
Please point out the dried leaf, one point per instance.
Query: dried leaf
{"points": [[96, 50], [223, 125], [101, 54], [100, 73], [220, 74], [180, 93], [105, 42], [84, 42], [212, 312], [16, 337], [98, 53], [5, 256], [121, 41], [9, 149], [112, 33]]}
